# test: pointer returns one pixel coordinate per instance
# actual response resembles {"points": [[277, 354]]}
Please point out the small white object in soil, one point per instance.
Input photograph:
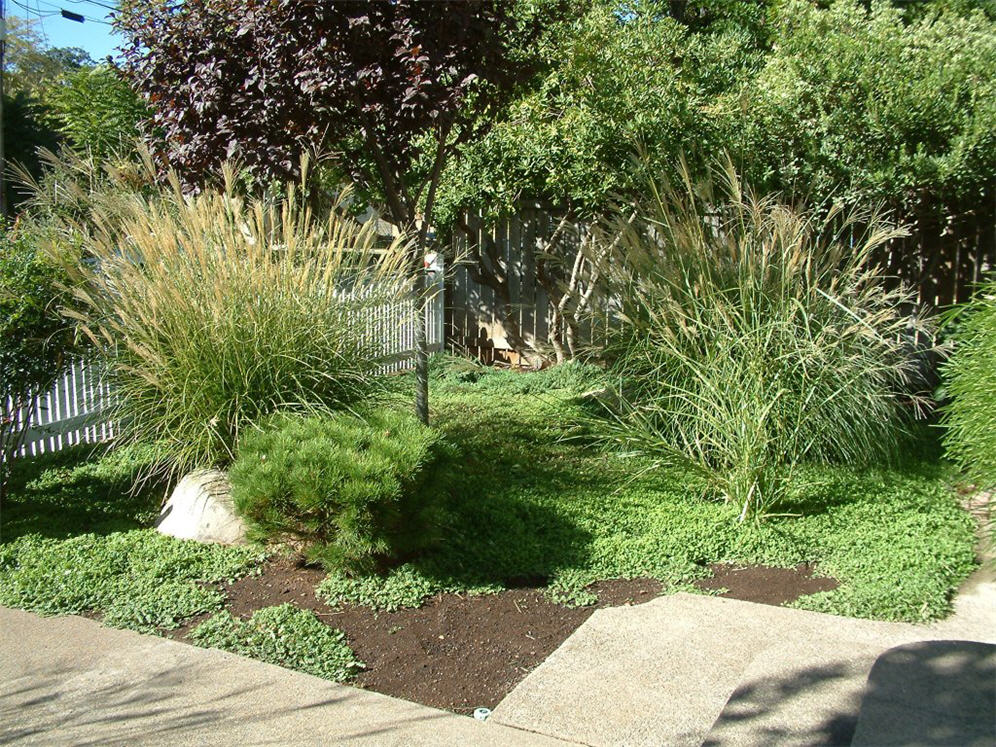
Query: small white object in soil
{"points": [[481, 714]]}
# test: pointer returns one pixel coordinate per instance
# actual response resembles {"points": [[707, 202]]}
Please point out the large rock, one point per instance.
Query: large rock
{"points": [[201, 509]]}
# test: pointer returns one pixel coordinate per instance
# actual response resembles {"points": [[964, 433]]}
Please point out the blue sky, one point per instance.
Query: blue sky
{"points": [[93, 35]]}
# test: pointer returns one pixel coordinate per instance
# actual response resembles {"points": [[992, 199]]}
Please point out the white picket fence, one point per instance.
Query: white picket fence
{"points": [[75, 410], [70, 413]]}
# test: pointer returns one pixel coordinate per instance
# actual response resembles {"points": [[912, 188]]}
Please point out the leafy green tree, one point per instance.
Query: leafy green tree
{"points": [[30, 65], [55, 95], [619, 78], [373, 80], [27, 127], [34, 337], [96, 110], [860, 104]]}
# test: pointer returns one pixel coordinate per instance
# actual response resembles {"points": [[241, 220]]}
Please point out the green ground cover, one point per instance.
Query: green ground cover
{"points": [[76, 540], [531, 502], [282, 635]]}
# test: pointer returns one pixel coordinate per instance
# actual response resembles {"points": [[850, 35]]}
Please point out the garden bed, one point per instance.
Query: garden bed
{"points": [[461, 651], [539, 526]]}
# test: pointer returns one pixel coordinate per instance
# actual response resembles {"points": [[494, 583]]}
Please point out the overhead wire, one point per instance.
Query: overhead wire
{"points": [[93, 2], [41, 22], [56, 10]]}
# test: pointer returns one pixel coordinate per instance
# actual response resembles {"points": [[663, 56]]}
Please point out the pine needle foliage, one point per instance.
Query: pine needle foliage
{"points": [[355, 491], [970, 383], [215, 309], [753, 336]]}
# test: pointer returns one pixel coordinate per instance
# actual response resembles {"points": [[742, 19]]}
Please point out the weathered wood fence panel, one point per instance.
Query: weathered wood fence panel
{"points": [[941, 261]]}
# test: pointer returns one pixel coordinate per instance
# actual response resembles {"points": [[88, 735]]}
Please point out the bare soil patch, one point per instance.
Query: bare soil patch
{"points": [[461, 652], [764, 584]]}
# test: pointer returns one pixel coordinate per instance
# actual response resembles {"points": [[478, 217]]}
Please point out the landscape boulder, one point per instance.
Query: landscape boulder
{"points": [[201, 508]]}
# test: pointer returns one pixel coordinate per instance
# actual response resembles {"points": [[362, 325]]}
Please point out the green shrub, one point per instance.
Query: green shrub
{"points": [[215, 310], [35, 340], [284, 635], [970, 382], [355, 491], [858, 102], [753, 336]]}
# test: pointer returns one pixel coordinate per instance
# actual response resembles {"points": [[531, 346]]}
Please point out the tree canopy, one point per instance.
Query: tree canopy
{"points": [[392, 87], [865, 105], [846, 100], [380, 84], [58, 96]]}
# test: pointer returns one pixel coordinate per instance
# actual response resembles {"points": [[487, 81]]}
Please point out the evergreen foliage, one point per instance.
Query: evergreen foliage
{"points": [[355, 491]]}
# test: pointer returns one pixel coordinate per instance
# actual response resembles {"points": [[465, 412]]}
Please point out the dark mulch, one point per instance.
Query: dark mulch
{"points": [[764, 584], [456, 652]]}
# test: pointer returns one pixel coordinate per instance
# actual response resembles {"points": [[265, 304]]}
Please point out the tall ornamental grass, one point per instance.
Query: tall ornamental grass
{"points": [[970, 384], [215, 310], [753, 336]]}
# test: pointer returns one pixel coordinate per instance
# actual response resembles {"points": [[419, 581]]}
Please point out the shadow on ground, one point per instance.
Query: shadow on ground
{"points": [[75, 491], [927, 693], [52, 705]]}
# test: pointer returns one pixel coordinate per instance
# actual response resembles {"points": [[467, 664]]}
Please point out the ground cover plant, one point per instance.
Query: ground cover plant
{"points": [[753, 336], [533, 505], [77, 542], [283, 635], [353, 491]]}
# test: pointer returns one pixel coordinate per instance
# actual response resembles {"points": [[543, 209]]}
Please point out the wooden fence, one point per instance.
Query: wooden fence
{"points": [[70, 413], [75, 411], [942, 260]]}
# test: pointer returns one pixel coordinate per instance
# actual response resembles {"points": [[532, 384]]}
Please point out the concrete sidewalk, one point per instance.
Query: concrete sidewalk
{"points": [[692, 670], [68, 680], [679, 670]]}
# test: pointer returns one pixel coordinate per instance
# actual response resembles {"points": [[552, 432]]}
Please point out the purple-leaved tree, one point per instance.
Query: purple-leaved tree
{"points": [[392, 86]]}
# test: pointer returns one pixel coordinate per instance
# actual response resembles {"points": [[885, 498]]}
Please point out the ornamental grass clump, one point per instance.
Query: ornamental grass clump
{"points": [[970, 384], [752, 336], [214, 310]]}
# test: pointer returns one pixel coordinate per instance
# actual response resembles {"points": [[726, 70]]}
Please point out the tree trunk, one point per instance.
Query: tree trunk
{"points": [[421, 346]]}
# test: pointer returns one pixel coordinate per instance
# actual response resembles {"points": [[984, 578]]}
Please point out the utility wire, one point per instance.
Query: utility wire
{"points": [[41, 22], [29, 11], [94, 2], [56, 11]]}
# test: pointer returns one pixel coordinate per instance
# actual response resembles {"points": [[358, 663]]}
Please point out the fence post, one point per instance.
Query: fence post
{"points": [[435, 309]]}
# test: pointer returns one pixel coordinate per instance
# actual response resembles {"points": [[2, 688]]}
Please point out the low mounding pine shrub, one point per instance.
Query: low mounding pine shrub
{"points": [[753, 336], [970, 383], [215, 310], [354, 491]]}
